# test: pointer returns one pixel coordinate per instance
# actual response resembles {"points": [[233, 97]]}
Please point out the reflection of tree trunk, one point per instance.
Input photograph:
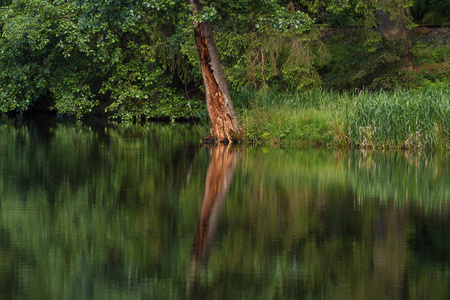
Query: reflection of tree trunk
{"points": [[218, 179], [389, 250], [224, 124]]}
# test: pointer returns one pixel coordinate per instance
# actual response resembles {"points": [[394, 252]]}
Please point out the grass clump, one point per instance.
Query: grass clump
{"points": [[296, 119]]}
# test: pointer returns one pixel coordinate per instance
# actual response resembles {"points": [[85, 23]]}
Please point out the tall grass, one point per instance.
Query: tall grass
{"points": [[402, 119], [296, 119]]}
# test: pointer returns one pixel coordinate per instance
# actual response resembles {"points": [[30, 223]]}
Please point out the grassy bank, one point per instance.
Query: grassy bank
{"points": [[402, 119]]}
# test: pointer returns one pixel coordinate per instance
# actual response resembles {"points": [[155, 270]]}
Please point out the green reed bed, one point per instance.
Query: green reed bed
{"points": [[401, 119]]}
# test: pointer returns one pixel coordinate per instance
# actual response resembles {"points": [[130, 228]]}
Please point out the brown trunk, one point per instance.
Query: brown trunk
{"points": [[224, 125], [394, 29]]}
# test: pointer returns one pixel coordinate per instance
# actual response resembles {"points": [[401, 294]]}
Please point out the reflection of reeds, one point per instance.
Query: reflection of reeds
{"points": [[399, 176], [403, 177]]}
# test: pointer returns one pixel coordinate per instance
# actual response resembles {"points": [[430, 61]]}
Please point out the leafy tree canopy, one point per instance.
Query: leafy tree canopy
{"points": [[138, 58]]}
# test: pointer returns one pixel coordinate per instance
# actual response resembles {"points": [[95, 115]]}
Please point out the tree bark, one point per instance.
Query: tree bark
{"points": [[394, 29], [224, 125]]}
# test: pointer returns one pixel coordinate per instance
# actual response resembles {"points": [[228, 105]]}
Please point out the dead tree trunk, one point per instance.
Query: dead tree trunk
{"points": [[224, 125]]}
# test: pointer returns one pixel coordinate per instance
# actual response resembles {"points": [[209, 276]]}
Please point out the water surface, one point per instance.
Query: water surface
{"points": [[146, 212]]}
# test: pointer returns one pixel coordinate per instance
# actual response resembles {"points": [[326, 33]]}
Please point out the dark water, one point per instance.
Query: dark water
{"points": [[88, 212]]}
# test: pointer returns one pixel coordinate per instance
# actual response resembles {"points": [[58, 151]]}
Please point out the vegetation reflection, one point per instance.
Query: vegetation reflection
{"points": [[117, 213]]}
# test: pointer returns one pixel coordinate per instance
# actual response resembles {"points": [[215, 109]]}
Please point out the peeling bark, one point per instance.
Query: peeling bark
{"points": [[224, 125]]}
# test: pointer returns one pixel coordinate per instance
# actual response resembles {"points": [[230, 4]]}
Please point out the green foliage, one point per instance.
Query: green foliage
{"points": [[431, 11], [270, 60], [86, 54], [24, 47], [361, 62], [354, 12], [432, 65], [138, 59]]}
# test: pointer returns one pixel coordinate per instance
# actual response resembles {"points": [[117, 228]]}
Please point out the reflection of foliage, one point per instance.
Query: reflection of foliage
{"points": [[69, 181], [112, 213]]}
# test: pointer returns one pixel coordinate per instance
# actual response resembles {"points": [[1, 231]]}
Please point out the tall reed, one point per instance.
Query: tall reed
{"points": [[403, 119], [400, 119]]}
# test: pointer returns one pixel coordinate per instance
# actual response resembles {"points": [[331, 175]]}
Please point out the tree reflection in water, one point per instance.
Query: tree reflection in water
{"points": [[389, 249], [218, 179]]}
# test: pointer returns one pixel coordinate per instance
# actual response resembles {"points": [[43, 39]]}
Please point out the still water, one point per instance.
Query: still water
{"points": [[146, 212]]}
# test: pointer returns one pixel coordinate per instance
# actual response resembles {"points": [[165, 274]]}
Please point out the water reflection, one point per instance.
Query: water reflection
{"points": [[218, 180], [390, 250], [140, 213]]}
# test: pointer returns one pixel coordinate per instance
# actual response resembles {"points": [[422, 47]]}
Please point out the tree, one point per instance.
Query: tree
{"points": [[224, 124], [130, 58], [142, 59], [393, 25]]}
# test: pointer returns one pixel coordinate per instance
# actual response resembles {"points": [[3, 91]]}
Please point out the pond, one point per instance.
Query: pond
{"points": [[89, 211]]}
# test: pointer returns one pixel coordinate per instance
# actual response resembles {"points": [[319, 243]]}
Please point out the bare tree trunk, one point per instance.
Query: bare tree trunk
{"points": [[224, 125]]}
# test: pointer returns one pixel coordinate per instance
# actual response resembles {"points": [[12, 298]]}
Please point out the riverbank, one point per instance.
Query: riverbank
{"points": [[407, 119]]}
